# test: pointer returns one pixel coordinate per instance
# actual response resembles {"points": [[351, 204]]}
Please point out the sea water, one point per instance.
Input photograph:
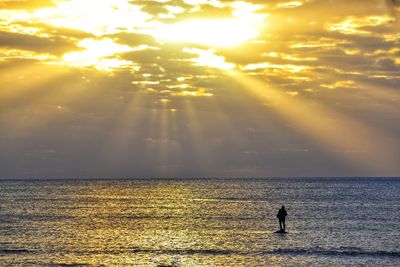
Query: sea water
{"points": [[200, 222]]}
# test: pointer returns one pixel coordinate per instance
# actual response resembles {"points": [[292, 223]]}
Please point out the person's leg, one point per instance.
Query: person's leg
{"points": [[280, 224], [284, 226]]}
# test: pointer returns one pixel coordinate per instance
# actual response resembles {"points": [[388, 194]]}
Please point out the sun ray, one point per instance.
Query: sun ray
{"points": [[342, 135], [126, 130], [26, 80], [200, 157], [48, 102]]}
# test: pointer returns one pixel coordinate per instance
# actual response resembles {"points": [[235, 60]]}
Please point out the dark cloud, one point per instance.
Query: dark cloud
{"points": [[152, 7], [133, 39], [53, 45], [58, 32], [394, 7]]}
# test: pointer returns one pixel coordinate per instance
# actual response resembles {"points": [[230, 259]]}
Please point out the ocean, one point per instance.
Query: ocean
{"points": [[200, 222]]}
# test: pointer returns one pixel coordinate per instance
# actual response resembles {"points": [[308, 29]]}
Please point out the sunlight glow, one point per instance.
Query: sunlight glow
{"points": [[94, 16], [223, 33], [209, 59], [95, 53], [359, 26], [6, 54], [291, 4], [244, 26], [197, 93], [214, 3], [284, 67], [340, 84]]}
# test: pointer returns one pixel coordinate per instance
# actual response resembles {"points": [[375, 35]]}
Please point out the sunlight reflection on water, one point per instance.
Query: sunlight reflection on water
{"points": [[199, 222]]}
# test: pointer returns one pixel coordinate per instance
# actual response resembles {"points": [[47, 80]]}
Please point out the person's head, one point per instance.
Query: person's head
{"points": [[283, 207]]}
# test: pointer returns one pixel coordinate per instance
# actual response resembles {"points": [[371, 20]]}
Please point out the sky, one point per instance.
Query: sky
{"points": [[199, 88]]}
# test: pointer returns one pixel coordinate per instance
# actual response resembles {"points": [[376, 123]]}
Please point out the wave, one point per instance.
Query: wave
{"points": [[351, 252], [334, 252], [15, 251], [299, 252], [188, 251]]}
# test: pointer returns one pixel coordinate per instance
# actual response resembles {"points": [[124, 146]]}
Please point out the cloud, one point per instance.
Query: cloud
{"points": [[340, 84], [394, 7], [364, 26], [25, 4], [133, 39], [54, 45]]}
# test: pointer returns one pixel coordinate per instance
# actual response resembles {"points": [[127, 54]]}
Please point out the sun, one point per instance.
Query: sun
{"points": [[243, 25], [220, 33]]}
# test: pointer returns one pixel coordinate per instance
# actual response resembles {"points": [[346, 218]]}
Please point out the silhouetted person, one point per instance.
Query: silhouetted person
{"points": [[281, 216]]}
